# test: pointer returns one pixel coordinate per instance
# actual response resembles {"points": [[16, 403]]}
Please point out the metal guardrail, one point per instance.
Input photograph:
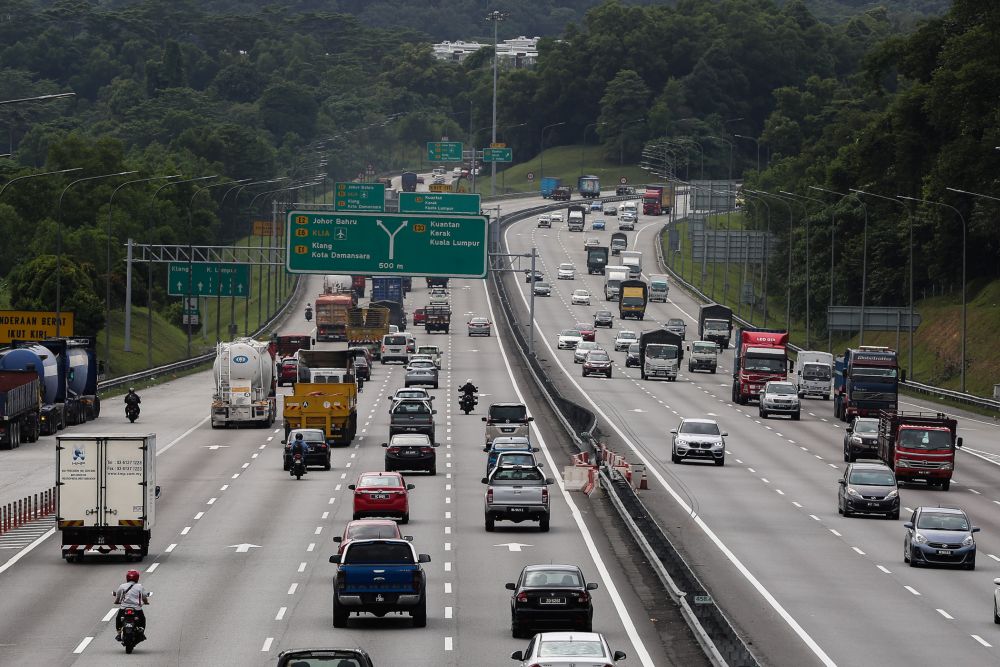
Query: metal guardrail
{"points": [[917, 387]]}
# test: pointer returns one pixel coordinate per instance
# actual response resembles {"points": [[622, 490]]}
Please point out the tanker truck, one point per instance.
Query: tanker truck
{"points": [[20, 403], [34, 357], [244, 384], [78, 366]]}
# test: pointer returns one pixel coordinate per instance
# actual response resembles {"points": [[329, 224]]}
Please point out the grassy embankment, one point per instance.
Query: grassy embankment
{"points": [[563, 162]]}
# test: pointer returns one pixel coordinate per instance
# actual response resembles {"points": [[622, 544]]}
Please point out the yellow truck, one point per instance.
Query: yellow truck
{"points": [[324, 396], [365, 328], [632, 298]]}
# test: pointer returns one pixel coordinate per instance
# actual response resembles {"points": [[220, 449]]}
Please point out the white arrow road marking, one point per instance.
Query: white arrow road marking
{"points": [[214, 447], [512, 546], [637, 410], [243, 548]]}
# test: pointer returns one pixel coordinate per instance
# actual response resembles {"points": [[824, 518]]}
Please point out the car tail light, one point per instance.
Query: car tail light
{"points": [[341, 581], [583, 598], [416, 580], [426, 450], [401, 493], [522, 597], [321, 445], [393, 450], [489, 497], [545, 495]]}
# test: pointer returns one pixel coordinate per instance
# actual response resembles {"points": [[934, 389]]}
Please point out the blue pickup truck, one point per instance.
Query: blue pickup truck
{"points": [[380, 577]]}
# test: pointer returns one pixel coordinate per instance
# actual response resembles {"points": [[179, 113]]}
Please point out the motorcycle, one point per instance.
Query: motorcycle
{"points": [[298, 467], [132, 412], [309, 314], [467, 403]]}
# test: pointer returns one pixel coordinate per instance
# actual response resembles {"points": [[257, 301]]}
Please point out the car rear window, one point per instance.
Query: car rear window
{"points": [[390, 553], [379, 480], [394, 340], [372, 531], [570, 649], [411, 408], [508, 413], [518, 475], [543, 578]]}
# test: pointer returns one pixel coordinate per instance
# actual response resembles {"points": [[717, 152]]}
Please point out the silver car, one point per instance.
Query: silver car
{"points": [[698, 439], [582, 348], [779, 398], [421, 372], [581, 649]]}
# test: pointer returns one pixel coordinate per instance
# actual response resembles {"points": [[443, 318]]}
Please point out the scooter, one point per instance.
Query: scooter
{"points": [[467, 403], [298, 467], [132, 412], [309, 314], [132, 633]]}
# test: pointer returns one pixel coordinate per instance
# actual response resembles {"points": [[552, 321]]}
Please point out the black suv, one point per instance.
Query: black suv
{"points": [[551, 596], [604, 318], [861, 439], [410, 451], [319, 451], [868, 488], [632, 356]]}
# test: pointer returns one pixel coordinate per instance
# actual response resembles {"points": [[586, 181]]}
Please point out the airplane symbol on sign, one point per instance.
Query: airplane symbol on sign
{"points": [[341, 234]]}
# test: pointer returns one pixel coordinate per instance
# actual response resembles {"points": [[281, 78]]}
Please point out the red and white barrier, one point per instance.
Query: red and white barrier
{"points": [[30, 508]]}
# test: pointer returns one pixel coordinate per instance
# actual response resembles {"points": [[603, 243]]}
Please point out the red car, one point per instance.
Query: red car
{"points": [[419, 317], [369, 529], [288, 371], [381, 494], [587, 331]]}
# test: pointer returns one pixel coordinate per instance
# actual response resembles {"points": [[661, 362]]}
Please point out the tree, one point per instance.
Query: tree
{"points": [[33, 287], [622, 106]]}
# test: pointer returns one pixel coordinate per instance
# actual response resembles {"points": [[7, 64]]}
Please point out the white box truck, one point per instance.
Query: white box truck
{"points": [[632, 259], [814, 373], [105, 494], [658, 288], [613, 277]]}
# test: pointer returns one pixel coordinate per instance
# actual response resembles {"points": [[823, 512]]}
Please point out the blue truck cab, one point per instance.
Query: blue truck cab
{"points": [[380, 577], [865, 382]]}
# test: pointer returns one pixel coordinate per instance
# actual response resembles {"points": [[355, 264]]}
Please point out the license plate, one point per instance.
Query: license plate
{"points": [[943, 552], [518, 509], [380, 496], [553, 601], [872, 504], [410, 452]]}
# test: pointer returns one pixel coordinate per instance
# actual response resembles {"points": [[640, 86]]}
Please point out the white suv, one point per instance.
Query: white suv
{"points": [[780, 398]]}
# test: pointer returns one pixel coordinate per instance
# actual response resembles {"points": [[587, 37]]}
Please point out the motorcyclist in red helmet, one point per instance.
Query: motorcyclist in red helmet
{"points": [[131, 595]]}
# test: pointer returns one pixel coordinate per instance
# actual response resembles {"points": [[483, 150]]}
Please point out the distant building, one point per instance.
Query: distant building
{"points": [[513, 53]]}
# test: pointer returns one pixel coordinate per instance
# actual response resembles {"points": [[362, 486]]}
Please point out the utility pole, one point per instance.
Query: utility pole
{"points": [[495, 16]]}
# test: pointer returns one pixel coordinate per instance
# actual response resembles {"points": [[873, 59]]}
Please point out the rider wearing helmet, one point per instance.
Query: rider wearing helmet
{"points": [[468, 387], [131, 595], [300, 447], [132, 398]]}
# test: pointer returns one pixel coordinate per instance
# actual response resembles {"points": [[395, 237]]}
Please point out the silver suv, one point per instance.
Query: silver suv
{"points": [[698, 439], [780, 398]]}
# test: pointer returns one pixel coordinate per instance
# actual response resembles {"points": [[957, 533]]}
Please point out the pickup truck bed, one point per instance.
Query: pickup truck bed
{"points": [[517, 493]]}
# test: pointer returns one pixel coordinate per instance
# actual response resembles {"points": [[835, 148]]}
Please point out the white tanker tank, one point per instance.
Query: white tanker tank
{"points": [[244, 384]]}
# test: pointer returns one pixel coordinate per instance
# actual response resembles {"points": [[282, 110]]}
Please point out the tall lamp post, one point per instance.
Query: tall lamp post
{"points": [[541, 150], [964, 232], [701, 151], [829, 342], [495, 16], [59, 238], [757, 143], [503, 137], [44, 173], [583, 146], [729, 187], [763, 250], [788, 279]]}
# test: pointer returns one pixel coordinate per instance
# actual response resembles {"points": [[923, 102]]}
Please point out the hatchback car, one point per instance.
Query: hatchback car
{"points": [[582, 348], [552, 596], [587, 330], [861, 439], [479, 326], [940, 536], [566, 272], [381, 494], [410, 451], [868, 488], [698, 439], [598, 225], [779, 398], [319, 451], [506, 443], [421, 372], [419, 317], [542, 289], [581, 297], [591, 242], [288, 371], [581, 649], [624, 339], [568, 339], [676, 325], [369, 529], [604, 318], [597, 362], [626, 222], [632, 356]]}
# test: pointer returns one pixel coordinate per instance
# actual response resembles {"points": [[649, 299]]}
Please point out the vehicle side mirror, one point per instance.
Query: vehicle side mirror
{"points": [[352, 487], [517, 655], [385, 444], [619, 655], [410, 487], [335, 558], [486, 449], [842, 481], [485, 480], [484, 418], [389, 397], [549, 480], [531, 419], [539, 464], [434, 412], [338, 538], [908, 524], [725, 434], [958, 443], [535, 450], [511, 587], [591, 587], [424, 558], [849, 430], [673, 430]]}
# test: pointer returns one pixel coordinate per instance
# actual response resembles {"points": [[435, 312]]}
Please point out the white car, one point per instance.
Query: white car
{"points": [[556, 217], [626, 222], [624, 339], [592, 242], [582, 348], [569, 339], [545, 220], [566, 272], [581, 297], [582, 649]]}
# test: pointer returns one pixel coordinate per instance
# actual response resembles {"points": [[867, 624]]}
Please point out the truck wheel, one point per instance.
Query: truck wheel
{"points": [[945, 485], [490, 524], [712, 370], [796, 416], [405, 518], [543, 524], [339, 614], [420, 613]]}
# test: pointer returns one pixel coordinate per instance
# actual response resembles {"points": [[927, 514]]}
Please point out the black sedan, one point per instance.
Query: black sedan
{"points": [[319, 451], [410, 451], [550, 596], [362, 369], [530, 277], [604, 318]]}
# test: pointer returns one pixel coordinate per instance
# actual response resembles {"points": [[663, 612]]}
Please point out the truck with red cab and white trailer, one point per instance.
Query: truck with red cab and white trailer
{"points": [[761, 356]]}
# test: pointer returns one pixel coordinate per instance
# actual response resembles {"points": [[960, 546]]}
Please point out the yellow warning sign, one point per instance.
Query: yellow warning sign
{"points": [[33, 325], [439, 187]]}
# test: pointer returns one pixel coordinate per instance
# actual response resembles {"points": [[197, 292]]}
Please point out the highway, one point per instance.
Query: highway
{"points": [[806, 585], [238, 560]]}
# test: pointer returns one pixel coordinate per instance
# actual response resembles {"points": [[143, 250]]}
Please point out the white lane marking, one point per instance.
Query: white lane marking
{"points": [[835, 533], [82, 646], [267, 645], [860, 552], [765, 480], [447, 588], [312, 545], [814, 517], [799, 505], [884, 569], [447, 566], [982, 641], [319, 529], [111, 614], [152, 568], [447, 546], [281, 613], [302, 566], [449, 644], [211, 501], [187, 529], [255, 455], [994, 557], [235, 475], [447, 530], [325, 515], [946, 614], [912, 590], [223, 487], [780, 492], [330, 501], [292, 589], [198, 515], [447, 612], [751, 470], [245, 466], [975, 492]]}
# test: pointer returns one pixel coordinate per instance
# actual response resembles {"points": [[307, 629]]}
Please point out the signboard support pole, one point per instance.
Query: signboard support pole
{"points": [[531, 314], [149, 318], [128, 298]]}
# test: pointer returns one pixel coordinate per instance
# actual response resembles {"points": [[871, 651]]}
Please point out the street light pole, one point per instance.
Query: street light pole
{"points": [[757, 142], [583, 146], [59, 238], [44, 173], [864, 254], [729, 206], [495, 16], [40, 98], [502, 135], [808, 293], [541, 150], [964, 232], [763, 262]]}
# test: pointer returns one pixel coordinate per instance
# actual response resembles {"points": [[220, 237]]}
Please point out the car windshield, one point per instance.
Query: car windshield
{"points": [[661, 351], [411, 408], [598, 355], [942, 521], [781, 389], [389, 553], [920, 439], [569, 332], [699, 428], [322, 658], [704, 347], [370, 531], [570, 649], [369, 481], [872, 478], [816, 372], [508, 413], [627, 335], [394, 340], [548, 578], [874, 374], [865, 426], [518, 475], [765, 364]]}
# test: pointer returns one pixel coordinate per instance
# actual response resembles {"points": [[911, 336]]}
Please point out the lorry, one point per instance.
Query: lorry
{"points": [[660, 354], [918, 446], [597, 259], [437, 281], [105, 494], [408, 181], [715, 322], [613, 277], [575, 219], [658, 199], [632, 298], [619, 242], [40, 360], [397, 316], [379, 576], [865, 382], [761, 356], [517, 493], [658, 288], [70, 377], [387, 288], [288, 344], [589, 187], [814, 373], [358, 287], [632, 259], [562, 193], [325, 396], [245, 384], [629, 208], [20, 407], [549, 184], [333, 284], [437, 317], [704, 356], [365, 328], [331, 315]]}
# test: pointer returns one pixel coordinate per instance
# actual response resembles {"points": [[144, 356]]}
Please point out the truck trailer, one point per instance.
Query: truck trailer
{"points": [[715, 323], [761, 356], [20, 408], [658, 199], [548, 186], [589, 187], [244, 384], [919, 446], [325, 396], [365, 328], [40, 360]]}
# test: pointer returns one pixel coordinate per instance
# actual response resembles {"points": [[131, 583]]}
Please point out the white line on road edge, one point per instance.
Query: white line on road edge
{"points": [[21, 554], [640, 648], [726, 551], [267, 645], [82, 646], [281, 613], [111, 614]]}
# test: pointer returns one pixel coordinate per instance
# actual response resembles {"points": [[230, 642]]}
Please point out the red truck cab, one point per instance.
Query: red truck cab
{"points": [[761, 356], [919, 446]]}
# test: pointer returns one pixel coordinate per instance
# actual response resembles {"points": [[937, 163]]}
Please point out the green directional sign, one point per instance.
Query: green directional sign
{"points": [[438, 202], [498, 155], [370, 244], [359, 197], [209, 279], [444, 151]]}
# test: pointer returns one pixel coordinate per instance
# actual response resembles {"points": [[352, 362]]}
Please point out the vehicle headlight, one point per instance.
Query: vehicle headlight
{"points": [[946, 466], [856, 440], [717, 445], [968, 541], [919, 539], [853, 493], [892, 494]]}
